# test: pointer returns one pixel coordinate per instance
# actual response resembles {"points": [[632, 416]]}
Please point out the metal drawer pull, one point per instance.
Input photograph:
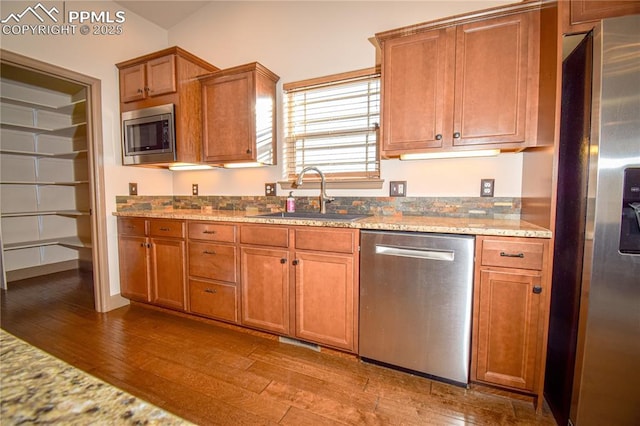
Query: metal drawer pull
{"points": [[208, 232], [212, 291], [209, 252], [520, 255], [165, 229], [537, 289], [430, 254]]}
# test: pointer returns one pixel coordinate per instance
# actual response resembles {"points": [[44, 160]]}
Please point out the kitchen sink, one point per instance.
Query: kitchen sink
{"points": [[314, 216]]}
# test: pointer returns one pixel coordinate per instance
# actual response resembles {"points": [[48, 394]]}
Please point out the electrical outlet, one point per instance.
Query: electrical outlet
{"points": [[133, 188], [398, 188], [194, 189], [486, 187], [269, 189]]}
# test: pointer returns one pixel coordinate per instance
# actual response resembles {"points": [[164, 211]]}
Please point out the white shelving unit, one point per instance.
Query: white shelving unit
{"points": [[44, 175]]}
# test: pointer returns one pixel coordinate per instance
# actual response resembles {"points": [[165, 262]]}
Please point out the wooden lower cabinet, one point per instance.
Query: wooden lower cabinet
{"points": [[325, 299], [152, 261], [213, 270], [167, 260], [508, 324], [134, 271], [305, 286], [511, 304], [294, 281], [265, 289]]}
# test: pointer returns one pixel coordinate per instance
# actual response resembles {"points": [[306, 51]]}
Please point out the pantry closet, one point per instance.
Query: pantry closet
{"points": [[47, 170]]}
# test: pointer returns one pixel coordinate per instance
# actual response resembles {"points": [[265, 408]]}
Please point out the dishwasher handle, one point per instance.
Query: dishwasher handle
{"points": [[417, 253]]}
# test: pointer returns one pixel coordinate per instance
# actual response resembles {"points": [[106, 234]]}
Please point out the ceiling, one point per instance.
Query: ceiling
{"points": [[163, 13]]}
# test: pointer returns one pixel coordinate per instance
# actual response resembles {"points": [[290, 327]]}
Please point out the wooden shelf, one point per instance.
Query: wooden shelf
{"points": [[63, 155], [73, 183], [70, 242], [66, 108], [67, 131], [47, 213]]}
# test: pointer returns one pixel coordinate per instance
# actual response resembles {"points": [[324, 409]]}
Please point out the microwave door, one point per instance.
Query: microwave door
{"points": [[148, 135]]}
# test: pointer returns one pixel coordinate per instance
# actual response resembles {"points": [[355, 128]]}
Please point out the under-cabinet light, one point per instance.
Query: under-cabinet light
{"points": [[189, 166], [243, 165], [451, 154]]}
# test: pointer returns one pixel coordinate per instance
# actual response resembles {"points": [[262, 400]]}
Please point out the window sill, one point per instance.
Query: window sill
{"points": [[336, 184]]}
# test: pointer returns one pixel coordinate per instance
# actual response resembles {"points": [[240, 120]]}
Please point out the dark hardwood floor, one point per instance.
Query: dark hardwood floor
{"points": [[209, 373]]}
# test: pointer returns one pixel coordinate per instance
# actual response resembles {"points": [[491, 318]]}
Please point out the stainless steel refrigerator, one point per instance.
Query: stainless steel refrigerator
{"points": [[593, 357]]}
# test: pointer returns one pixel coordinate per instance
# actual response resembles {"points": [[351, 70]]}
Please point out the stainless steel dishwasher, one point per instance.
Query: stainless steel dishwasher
{"points": [[415, 302]]}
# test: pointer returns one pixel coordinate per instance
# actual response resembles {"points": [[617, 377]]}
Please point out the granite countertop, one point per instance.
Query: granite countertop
{"points": [[449, 225], [38, 388]]}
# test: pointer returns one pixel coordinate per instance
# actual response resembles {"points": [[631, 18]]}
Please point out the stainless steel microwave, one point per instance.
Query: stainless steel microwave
{"points": [[148, 135]]}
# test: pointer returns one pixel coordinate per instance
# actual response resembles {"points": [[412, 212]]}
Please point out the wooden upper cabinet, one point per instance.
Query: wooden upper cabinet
{"points": [[580, 16], [467, 83], [239, 115], [415, 72], [492, 71], [152, 78], [133, 80]]}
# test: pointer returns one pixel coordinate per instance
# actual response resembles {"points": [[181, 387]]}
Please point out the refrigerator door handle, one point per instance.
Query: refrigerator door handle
{"points": [[429, 254]]}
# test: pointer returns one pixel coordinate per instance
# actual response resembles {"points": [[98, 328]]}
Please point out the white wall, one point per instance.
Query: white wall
{"points": [[304, 39], [95, 55]]}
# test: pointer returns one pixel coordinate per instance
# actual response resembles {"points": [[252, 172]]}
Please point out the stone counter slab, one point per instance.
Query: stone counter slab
{"points": [[38, 388]]}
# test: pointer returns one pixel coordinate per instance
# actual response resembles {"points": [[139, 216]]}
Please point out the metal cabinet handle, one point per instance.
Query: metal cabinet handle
{"points": [[209, 252], [165, 229], [210, 291], [139, 90], [456, 135], [537, 289], [283, 260], [520, 255], [249, 151], [208, 232], [148, 245], [141, 244], [438, 137], [295, 262]]}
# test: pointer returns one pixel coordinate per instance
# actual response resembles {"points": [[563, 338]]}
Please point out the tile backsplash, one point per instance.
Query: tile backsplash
{"points": [[496, 208]]}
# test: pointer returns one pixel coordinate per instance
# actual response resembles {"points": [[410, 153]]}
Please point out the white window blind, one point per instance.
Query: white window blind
{"points": [[332, 123]]}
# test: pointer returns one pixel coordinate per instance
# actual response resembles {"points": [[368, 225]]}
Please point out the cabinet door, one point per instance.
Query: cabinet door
{"points": [[415, 70], [132, 254], [265, 289], [492, 60], [161, 75], [325, 294], [509, 315], [229, 118], [583, 14], [168, 272], [133, 81]]}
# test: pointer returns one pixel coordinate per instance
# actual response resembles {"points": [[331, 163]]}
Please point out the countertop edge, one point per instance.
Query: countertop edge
{"points": [[433, 224]]}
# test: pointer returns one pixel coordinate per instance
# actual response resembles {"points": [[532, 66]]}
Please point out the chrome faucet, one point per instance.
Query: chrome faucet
{"points": [[324, 198]]}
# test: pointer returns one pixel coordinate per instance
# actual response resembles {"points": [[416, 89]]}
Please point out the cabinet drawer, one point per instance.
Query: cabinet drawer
{"points": [[131, 226], [166, 228], [265, 236], [326, 239], [214, 261], [513, 254], [213, 300], [212, 232]]}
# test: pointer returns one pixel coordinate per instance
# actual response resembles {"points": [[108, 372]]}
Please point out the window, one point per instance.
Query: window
{"points": [[332, 123]]}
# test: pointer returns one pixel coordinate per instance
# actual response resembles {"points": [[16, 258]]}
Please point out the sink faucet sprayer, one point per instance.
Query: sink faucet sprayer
{"points": [[324, 198]]}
